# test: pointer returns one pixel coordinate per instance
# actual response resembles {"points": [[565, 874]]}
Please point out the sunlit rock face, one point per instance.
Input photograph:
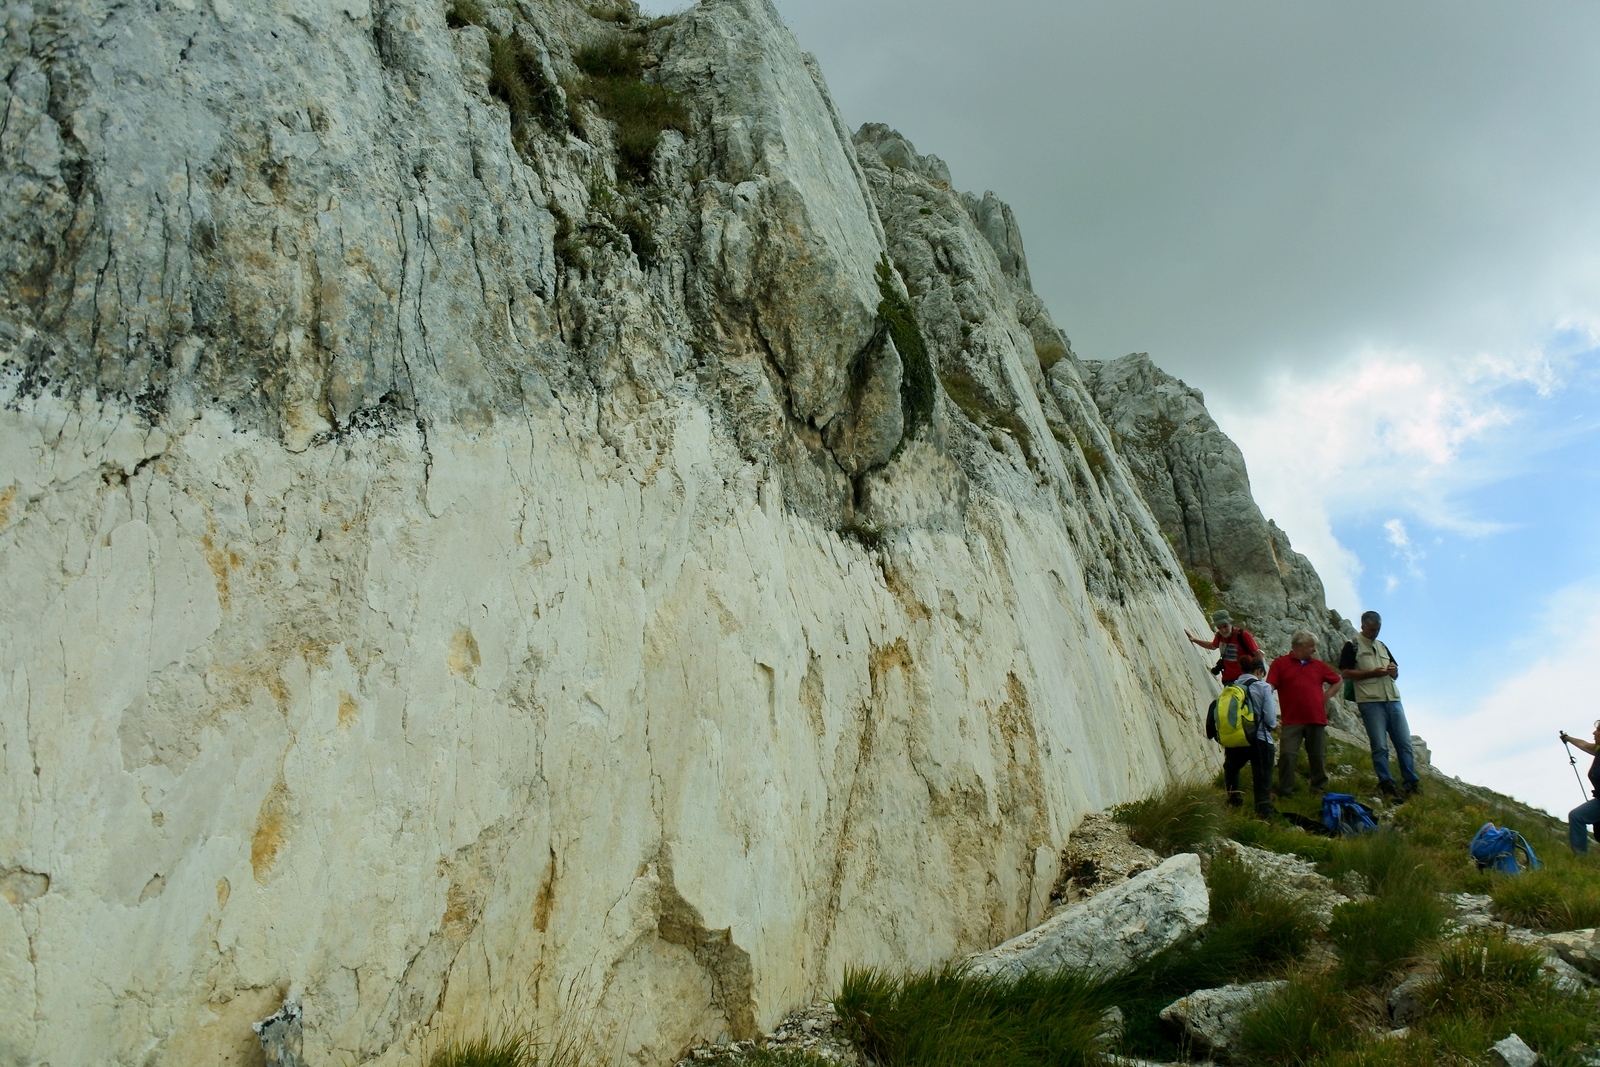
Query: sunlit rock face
{"points": [[459, 581]]}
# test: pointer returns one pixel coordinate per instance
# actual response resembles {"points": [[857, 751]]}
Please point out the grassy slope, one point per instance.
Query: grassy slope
{"points": [[1328, 1016]]}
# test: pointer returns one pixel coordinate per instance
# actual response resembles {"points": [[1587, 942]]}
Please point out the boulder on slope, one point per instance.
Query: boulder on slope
{"points": [[1113, 931], [1214, 1017]]}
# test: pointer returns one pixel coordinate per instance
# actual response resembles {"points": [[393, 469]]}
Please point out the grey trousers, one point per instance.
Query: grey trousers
{"points": [[1316, 741]]}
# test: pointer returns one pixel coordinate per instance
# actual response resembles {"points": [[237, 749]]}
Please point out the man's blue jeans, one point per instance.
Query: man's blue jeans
{"points": [[1387, 717], [1578, 822]]}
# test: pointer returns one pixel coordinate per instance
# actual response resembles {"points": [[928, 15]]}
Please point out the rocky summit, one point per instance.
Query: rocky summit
{"points": [[508, 505]]}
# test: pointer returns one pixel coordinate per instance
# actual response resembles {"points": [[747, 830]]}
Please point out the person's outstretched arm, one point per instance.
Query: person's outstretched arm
{"points": [[1213, 643], [1584, 746]]}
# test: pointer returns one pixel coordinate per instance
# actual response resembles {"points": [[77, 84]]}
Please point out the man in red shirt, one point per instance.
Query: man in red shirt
{"points": [[1304, 684], [1233, 641]]}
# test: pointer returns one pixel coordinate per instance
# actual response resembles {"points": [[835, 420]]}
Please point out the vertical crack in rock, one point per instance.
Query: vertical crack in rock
{"points": [[727, 964]]}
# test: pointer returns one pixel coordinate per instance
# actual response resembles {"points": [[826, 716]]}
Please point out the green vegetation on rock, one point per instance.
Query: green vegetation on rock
{"points": [[613, 81], [916, 370]]}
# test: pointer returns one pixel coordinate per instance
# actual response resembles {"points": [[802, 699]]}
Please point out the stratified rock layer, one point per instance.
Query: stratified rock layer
{"points": [[457, 582]]}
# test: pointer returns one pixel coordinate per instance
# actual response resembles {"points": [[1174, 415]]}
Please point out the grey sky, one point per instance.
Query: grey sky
{"points": [[1242, 180]]}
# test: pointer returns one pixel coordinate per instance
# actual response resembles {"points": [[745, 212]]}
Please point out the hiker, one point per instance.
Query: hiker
{"points": [[1367, 662], [1303, 684], [1258, 753], [1233, 641], [1588, 813]]}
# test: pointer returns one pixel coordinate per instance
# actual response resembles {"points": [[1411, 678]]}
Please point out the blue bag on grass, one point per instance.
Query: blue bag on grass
{"points": [[1495, 846], [1346, 816]]}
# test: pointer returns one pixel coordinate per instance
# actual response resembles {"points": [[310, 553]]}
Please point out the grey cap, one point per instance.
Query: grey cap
{"points": [[1219, 617]]}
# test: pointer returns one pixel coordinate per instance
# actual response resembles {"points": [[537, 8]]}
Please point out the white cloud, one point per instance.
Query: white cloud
{"points": [[1508, 740], [1381, 431], [1395, 532]]}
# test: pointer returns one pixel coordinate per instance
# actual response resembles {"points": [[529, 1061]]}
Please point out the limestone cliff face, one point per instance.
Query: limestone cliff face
{"points": [[457, 569]]}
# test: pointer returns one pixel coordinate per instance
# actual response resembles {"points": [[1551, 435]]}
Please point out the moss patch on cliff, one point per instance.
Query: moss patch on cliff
{"points": [[988, 416], [916, 370], [1205, 593]]}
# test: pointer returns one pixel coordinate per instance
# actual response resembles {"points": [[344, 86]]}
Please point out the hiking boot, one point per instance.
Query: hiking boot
{"points": [[1235, 800], [1388, 790], [1411, 789]]}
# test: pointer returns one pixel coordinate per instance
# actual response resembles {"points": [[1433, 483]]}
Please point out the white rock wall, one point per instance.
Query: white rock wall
{"points": [[397, 616], [409, 739]]}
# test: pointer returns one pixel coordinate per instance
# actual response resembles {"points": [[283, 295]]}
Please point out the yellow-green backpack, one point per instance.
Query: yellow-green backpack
{"points": [[1236, 720]]}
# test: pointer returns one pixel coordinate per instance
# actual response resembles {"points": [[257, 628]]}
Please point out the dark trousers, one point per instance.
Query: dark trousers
{"points": [[1258, 754], [1316, 741]]}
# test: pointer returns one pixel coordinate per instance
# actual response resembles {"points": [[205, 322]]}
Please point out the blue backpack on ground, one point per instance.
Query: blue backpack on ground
{"points": [[1496, 847], [1346, 816]]}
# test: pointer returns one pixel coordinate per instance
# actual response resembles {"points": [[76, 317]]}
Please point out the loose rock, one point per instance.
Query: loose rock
{"points": [[1512, 1051], [1214, 1017], [1113, 931], [1405, 1006]]}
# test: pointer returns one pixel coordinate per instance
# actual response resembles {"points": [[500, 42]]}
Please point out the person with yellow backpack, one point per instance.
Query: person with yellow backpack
{"points": [[1241, 720]]}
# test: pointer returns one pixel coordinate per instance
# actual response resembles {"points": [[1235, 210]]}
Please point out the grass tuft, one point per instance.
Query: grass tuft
{"points": [[1306, 1018], [516, 1050], [1551, 898], [515, 77], [1484, 974], [1204, 589], [465, 13], [1377, 937], [1254, 931], [944, 1018], [1180, 818], [1049, 352]]}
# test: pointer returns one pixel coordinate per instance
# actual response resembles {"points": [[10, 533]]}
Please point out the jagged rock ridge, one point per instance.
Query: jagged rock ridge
{"points": [[459, 565]]}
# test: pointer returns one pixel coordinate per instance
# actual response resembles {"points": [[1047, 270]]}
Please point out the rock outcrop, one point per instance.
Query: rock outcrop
{"points": [[468, 556], [1579, 949]]}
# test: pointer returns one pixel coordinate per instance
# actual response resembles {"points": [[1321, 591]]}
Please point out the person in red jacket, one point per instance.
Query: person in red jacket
{"points": [[1304, 684], [1234, 642]]}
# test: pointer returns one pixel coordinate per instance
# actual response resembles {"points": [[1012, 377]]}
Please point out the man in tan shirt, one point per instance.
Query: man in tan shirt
{"points": [[1366, 661]]}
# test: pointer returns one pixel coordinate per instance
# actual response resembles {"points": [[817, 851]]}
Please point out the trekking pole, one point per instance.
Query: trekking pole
{"points": [[1574, 761]]}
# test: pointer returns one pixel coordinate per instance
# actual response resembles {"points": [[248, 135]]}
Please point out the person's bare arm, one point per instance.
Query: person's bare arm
{"points": [[1213, 643], [1580, 743]]}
